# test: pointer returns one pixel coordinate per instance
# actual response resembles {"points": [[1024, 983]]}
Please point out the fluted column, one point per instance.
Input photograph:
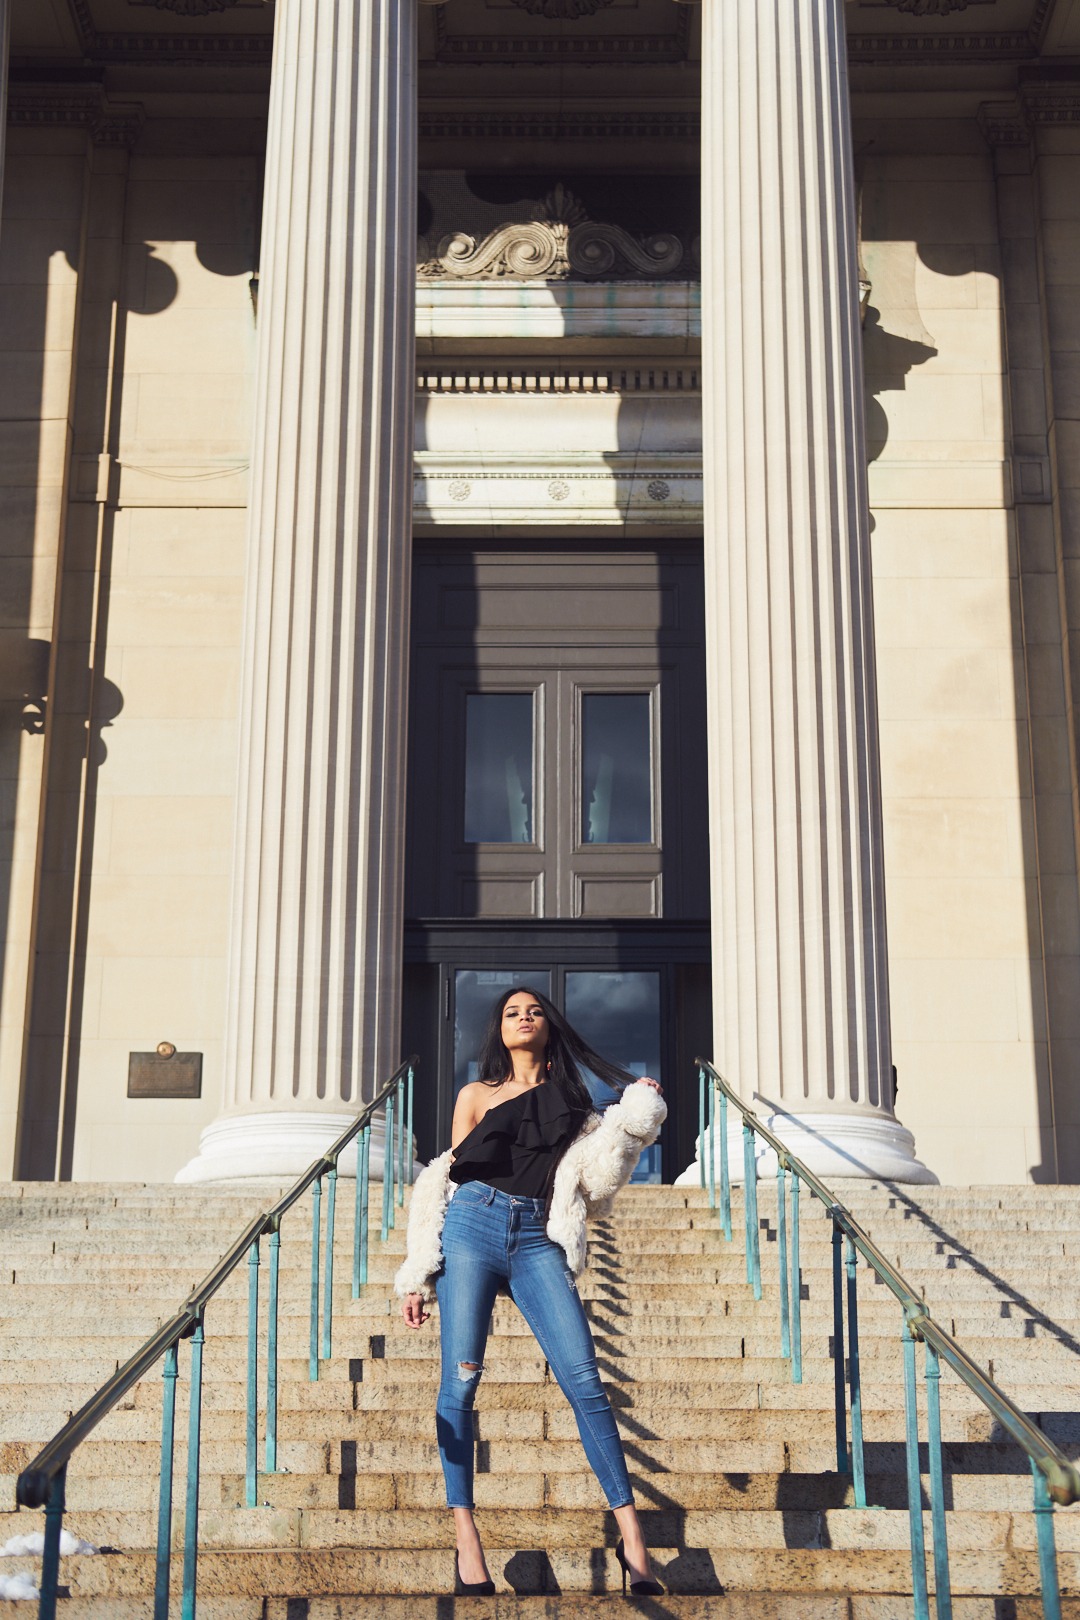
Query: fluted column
{"points": [[800, 976], [5, 47], [316, 923]]}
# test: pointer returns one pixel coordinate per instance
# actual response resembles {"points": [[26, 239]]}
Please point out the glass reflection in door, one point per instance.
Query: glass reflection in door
{"points": [[619, 1015], [499, 768], [475, 993], [616, 768]]}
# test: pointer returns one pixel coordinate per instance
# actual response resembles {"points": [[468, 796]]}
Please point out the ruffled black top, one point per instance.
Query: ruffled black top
{"points": [[518, 1143]]}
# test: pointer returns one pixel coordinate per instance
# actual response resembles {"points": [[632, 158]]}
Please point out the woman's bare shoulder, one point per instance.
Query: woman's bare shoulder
{"points": [[473, 1101]]}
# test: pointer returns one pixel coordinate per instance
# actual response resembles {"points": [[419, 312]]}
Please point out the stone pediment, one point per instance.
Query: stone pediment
{"points": [[559, 242]]}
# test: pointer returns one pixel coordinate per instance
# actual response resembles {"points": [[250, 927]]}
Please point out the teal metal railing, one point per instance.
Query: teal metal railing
{"points": [[1054, 1477], [42, 1484]]}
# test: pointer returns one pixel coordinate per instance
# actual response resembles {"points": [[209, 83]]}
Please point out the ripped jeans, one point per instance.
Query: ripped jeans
{"points": [[492, 1240]]}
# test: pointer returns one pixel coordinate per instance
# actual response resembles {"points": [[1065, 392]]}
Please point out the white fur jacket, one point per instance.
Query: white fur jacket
{"points": [[599, 1161]]}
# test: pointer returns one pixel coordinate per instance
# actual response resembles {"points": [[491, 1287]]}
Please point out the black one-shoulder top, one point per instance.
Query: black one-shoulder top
{"points": [[518, 1143]]}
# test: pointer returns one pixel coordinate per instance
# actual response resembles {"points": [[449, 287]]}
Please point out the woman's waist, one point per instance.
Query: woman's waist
{"points": [[482, 1193]]}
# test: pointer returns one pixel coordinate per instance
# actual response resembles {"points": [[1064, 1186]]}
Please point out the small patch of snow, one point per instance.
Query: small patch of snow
{"points": [[17, 1586], [34, 1544]]}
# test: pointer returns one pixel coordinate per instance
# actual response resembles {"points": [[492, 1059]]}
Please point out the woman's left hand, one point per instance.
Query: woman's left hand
{"points": [[647, 1080]]}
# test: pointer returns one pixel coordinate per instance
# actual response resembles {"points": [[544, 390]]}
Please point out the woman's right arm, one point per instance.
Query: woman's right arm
{"points": [[465, 1120]]}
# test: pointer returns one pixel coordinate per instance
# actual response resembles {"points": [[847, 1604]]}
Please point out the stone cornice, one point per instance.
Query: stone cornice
{"points": [[529, 377], [1010, 45], [612, 49], [667, 124], [109, 123], [1012, 122], [136, 47], [186, 8]]}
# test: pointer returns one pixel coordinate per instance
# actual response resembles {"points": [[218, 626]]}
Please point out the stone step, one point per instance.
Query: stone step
{"points": [[694, 1570], [507, 1424], [315, 1454], [765, 1605], [844, 1529], [681, 1492]]}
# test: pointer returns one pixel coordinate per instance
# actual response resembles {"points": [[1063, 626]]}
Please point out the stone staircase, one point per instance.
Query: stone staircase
{"points": [[733, 1465]]}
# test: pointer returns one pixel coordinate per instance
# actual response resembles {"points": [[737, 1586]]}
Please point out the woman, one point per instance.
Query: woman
{"points": [[530, 1159]]}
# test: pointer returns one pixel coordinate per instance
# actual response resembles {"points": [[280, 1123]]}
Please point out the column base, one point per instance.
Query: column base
{"points": [[868, 1147], [279, 1145]]}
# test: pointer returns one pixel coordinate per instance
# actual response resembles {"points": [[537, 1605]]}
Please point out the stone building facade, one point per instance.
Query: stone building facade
{"points": [[575, 489]]}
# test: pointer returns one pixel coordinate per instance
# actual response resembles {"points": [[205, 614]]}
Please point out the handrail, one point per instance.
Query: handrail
{"points": [[1062, 1478], [1054, 1477], [42, 1483]]}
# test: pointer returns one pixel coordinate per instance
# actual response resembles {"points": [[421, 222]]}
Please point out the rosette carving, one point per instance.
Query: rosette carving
{"points": [[559, 244]]}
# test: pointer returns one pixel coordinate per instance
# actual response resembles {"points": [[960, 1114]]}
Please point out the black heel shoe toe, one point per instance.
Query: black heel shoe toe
{"points": [[470, 1588], [637, 1588]]}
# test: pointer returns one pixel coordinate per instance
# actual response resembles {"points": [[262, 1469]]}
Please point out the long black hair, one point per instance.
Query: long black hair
{"points": [[566, 1054]]}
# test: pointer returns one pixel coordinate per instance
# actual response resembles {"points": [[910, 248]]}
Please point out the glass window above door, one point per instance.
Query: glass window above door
{"points": [[499, 768], [616, 768]]}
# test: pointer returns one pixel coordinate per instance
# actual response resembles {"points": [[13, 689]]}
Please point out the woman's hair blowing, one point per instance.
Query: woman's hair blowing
{"points": [[566, 1054]]}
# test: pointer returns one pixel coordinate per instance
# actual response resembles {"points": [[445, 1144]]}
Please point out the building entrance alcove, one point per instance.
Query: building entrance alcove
{"points": [[556, 828]]}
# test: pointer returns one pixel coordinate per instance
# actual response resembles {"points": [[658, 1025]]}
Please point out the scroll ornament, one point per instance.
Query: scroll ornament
{"points": [[558, 243]]}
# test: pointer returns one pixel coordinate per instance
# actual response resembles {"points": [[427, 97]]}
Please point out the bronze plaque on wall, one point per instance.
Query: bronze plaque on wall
{"points": [[151, 1075]]}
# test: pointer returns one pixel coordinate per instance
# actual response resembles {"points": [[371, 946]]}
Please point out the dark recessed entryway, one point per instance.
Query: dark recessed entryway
{"points": [[557, 809]]}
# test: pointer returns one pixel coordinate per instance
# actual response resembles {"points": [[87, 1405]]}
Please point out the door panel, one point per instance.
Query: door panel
{"points": [[583, 633]]}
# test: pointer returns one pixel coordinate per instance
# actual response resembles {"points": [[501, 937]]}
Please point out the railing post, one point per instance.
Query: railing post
{"points": [[409, 1125], [920, 1594], [796, 1286], [388, 1170], [858, 1470], [842, 1464], [701, 1124], [942, 1579], [712, 1142], [781, 1239], [272, 1353], [1044, 1535], [360, 1216], [328, 1281], [400, 1115], [191, 1514], [753, 1251], [313, 1332], [251, 1494], [50, 1552], [165, 1485], [725, 1171]]}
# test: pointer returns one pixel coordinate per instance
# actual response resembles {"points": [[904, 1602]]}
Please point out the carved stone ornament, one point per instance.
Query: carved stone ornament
{"points": [[565, 10], [558, 243]]}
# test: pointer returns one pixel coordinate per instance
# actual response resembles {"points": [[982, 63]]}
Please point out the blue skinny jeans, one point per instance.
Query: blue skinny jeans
{"points": [[493, 1240]]}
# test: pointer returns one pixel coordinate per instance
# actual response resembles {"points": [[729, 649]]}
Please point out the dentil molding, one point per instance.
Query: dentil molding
{"points": [[934, 8], [109, 123], [559, 243], [568, 10], [187, 8]]}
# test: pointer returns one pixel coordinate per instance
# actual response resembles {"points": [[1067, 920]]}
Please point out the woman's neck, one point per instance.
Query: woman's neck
{"points": [[526, 1070]]}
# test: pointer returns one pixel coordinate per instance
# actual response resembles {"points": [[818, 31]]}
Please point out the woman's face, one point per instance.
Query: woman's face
{"points": [[524, 1027]]}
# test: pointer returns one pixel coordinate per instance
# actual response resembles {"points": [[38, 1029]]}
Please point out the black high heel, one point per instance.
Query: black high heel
{"points": [[470, 1588], [637, 1588]]}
